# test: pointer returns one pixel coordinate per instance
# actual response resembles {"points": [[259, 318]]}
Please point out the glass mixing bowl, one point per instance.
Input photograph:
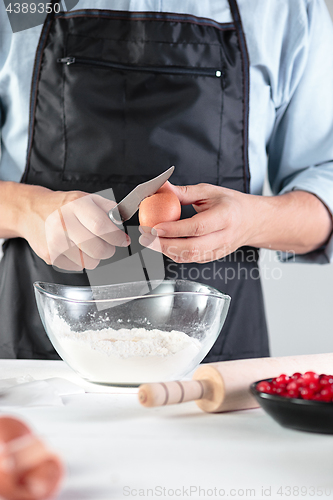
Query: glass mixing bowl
{"points": [[132, 333]]}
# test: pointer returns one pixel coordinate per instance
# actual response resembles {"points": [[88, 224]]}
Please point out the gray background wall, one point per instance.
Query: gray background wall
{"points": [[299, 302]]}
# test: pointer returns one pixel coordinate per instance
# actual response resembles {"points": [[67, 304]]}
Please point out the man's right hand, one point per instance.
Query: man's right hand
{"points": [[70, 230]]}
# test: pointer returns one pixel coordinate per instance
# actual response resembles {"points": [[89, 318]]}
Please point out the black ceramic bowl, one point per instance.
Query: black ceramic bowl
{"points": [[300, 414]]}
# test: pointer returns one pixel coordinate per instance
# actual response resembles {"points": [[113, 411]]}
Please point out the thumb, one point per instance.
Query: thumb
{"points": [[195, 194]]}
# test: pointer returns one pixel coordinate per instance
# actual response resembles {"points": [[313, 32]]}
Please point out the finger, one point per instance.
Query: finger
{"points": [[198, 225], [200, 249], [75, 261], [71, 251], [97, 248], [80, 258], [97, 221], [56, 235], [152, 242], [58, 240], [65, 234], [64, 263], [194, 194], [94, 246], [103, 203], [167, 186]]}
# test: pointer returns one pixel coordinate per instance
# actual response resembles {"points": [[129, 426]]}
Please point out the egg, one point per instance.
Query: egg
{"points": [[163, 206], [28, 469]]}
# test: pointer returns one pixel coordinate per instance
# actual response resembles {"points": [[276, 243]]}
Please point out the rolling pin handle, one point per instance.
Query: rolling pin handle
{"points": [[169, 393]]}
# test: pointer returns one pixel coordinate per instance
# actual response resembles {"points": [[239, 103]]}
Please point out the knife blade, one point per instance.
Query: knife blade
{"points": [[127, 207]]}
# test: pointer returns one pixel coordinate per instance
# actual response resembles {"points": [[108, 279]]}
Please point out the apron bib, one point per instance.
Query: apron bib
{"points": [[116, 98]]}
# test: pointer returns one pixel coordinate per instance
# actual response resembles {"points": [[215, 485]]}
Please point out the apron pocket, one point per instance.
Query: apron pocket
{"points": [[136, 119]]}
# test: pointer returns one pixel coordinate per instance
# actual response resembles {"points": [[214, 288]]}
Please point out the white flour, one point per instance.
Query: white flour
{"points": [[125, 356]]}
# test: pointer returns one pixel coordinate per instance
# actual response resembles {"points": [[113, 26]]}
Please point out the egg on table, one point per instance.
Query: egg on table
{"points": [[28, 469], [163, 206]]}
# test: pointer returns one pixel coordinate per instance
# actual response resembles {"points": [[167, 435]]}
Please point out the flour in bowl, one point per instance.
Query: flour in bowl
{"points": [[125, 356]]}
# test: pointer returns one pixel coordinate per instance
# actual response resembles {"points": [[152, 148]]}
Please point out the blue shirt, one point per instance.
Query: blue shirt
{"points": [[291, 91]]}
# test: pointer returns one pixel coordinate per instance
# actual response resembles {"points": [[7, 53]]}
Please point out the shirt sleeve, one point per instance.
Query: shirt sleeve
{"points": [[300, 149]]}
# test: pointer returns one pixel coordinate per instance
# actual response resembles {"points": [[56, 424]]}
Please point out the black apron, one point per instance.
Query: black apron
{"points": [[116, 98]]}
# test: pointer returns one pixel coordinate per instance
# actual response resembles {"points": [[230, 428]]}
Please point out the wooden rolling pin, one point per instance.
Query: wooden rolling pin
{"points": [[225, 386]]}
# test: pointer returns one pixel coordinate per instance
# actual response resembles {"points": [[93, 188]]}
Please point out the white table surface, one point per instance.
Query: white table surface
{"points": [[113, 448]]}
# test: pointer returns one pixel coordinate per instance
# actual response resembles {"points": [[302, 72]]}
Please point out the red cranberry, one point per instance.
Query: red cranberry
{"points": [[300, 381], [310, 377], [282, 379], [306, 393], [292, 386], [309, 386], [280, 391], [292, 394], [325, 395], [325, 380], [264, 387], [314, 386]]}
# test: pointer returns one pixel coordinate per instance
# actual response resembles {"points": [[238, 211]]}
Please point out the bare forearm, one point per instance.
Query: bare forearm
{"points": [[24, 206], [12, 207], [297, 221], [226, 220]]}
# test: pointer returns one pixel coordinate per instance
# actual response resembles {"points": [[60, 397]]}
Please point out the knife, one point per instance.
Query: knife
{"points": [[127, 207]]}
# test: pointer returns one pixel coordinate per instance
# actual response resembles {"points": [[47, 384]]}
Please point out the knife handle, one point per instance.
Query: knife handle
{"points": [[115, 217]]}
